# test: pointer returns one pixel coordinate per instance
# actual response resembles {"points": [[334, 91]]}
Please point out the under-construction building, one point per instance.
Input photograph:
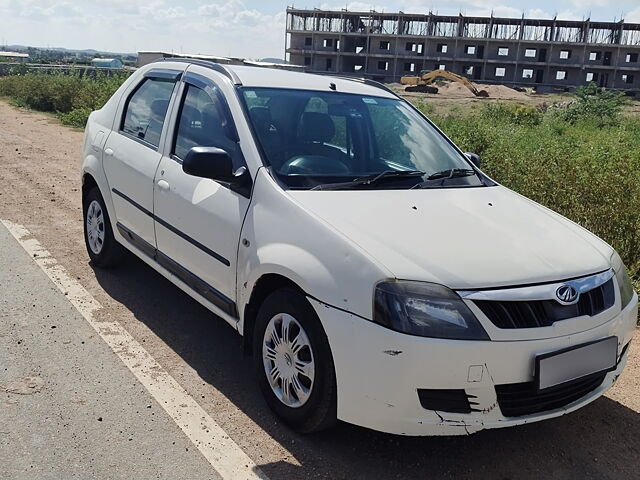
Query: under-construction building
{"points": [[547, 54]]}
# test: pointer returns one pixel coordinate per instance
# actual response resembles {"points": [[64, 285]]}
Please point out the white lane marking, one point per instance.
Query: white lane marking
{"points": [[224, 455]]}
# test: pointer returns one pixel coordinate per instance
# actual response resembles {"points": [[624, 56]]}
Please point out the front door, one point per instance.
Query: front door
{"points": [[131, 157], [198, 220]]}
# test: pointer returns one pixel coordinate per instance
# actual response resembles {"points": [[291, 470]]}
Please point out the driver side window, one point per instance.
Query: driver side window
{"points": [[204, 122]]}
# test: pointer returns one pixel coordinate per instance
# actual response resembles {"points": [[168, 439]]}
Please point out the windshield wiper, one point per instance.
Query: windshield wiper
{"points": [[443, 176], [452, 173], [370, 179]]}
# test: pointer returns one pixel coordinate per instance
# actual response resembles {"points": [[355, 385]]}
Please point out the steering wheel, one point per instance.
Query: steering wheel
{"points": [[313, 165]]}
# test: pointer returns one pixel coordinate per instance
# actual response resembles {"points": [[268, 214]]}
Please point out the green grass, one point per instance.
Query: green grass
{"points": [[581, 160]]}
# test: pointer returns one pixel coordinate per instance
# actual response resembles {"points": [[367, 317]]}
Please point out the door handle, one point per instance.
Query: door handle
{"points": [[108, 152], [163, 185]]}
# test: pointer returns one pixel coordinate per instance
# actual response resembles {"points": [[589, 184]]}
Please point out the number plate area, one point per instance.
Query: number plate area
{"points": [[573, 363]]}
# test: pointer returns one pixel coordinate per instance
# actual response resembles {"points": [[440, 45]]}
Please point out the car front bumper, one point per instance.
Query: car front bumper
{"points": [[379, 373]]}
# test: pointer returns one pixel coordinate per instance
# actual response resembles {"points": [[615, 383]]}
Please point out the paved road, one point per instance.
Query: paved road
{"points": [[38, 174], [70, 408]]}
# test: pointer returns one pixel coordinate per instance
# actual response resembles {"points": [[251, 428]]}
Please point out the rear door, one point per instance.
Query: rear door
{"points": [[198, 220], [131, 155]]}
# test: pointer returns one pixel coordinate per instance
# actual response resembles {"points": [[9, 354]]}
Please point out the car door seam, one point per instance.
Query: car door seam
{"points": [[173, 229]]}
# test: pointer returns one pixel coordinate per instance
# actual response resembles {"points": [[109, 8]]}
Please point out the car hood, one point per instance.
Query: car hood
{"points": [[465, 238]]}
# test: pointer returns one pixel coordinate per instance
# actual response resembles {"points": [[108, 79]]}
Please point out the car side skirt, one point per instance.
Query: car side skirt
{"points": [[194, 282]]}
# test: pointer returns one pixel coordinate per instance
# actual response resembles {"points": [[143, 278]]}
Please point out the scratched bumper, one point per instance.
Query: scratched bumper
{"points": [[378, 373]]}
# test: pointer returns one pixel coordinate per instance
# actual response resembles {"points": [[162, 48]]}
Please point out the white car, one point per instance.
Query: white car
{"points": [[377, 275]]}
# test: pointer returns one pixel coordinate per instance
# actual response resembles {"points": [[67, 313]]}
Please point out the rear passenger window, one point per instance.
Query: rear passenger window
{"points": [[146, 110], [204, 122]]}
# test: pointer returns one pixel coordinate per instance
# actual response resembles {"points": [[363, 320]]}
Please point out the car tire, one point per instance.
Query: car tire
{"points": [[310, 404], [103, 249]]}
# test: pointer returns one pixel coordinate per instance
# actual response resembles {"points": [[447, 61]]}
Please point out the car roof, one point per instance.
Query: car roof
{"points": [[251, 76], [271, 77]]}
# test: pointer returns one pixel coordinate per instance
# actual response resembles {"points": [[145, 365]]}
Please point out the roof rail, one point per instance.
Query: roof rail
{"points": [[218, 67], [366, 81]]}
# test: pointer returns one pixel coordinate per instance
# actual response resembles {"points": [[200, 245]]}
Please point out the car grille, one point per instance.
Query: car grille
{"points": [[518, 399], [544, 313]]}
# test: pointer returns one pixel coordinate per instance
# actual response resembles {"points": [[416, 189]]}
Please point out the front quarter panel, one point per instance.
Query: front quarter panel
{"points": [[280, 237]]}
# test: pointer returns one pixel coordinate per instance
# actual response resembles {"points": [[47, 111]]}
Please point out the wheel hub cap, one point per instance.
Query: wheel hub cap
{"points": [[95, 227], [288, 360]]}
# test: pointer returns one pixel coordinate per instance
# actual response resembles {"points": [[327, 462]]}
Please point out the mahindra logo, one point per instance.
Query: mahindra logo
{"points": [[567, 294]]}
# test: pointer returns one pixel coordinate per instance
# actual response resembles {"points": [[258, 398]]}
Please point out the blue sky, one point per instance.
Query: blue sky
{"points": [[252, 29]]}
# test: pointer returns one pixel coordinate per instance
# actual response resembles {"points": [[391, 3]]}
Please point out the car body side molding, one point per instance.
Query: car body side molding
{"points": [[193, 281], [170, 227]]}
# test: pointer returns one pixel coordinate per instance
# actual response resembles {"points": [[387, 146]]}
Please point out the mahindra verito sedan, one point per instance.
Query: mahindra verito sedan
{"points": [[377, 275]]}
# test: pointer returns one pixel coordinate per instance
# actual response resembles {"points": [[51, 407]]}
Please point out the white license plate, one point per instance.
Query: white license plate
{"points": [[575, 362]]}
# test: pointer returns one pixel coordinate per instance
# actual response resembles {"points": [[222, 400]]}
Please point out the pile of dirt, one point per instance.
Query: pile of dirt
{"points": [[457, 90], [502, 92]]}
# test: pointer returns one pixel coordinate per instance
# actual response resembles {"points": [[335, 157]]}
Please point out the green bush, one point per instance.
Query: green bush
{"points": [[586, 171], [594, 105], [70, 95], [517, 114], [76, 118]]}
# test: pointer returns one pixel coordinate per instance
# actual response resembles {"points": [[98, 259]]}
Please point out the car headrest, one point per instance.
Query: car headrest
{"points": [[189, 116], [261, 117], [210, 115], [316, 127], [159, 107]]}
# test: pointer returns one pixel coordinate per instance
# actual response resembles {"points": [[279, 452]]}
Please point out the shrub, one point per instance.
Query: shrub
{"points": [[70, 95], [76, 118], [585, 171], [595, 105], [516, 114]]}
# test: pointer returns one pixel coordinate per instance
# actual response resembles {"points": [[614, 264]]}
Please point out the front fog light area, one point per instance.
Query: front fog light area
{"points": [[425, 310]]}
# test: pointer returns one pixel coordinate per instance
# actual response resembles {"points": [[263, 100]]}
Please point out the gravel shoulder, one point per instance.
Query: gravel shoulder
{"points": [[39, 174]]}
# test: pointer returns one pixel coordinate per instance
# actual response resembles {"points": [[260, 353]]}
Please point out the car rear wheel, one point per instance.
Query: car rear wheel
{"points": [[293, 362], [101, 245]]}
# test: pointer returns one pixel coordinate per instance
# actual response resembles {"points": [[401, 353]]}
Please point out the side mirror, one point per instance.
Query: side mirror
{"points": [[214, 163], [474, 158]]}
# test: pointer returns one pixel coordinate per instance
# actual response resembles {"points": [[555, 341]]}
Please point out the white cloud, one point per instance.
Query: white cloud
{"points": [[590, 3], [633, 16], [356, 7], [538, 13]]}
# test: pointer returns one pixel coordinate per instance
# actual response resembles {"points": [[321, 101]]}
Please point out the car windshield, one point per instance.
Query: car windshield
{"points": [[315, 139]]}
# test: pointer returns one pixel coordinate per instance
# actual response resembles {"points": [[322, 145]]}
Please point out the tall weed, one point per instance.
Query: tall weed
{"points": [[586, 171]]}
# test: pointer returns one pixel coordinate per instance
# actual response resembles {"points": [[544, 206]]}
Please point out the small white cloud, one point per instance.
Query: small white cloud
{"points": [[355, 7], [633, 16], [538, 13], [582, 4], [570, 15]]}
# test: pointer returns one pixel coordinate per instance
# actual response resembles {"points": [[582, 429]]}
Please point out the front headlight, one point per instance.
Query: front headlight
{"points": [[426, 310], [624, 282]]}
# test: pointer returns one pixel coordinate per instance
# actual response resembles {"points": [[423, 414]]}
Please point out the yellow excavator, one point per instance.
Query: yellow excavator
{"points": [[424, 83]]}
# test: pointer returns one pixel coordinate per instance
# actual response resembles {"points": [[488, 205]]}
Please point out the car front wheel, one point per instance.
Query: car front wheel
{"points": [[293, 362]]}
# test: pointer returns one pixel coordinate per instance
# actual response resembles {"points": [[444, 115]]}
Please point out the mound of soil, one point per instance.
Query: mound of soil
{"points": [[457, 90]]}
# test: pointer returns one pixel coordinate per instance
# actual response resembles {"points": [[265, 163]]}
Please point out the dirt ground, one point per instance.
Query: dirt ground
{"points": [[39, 174], [455, 98]]}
